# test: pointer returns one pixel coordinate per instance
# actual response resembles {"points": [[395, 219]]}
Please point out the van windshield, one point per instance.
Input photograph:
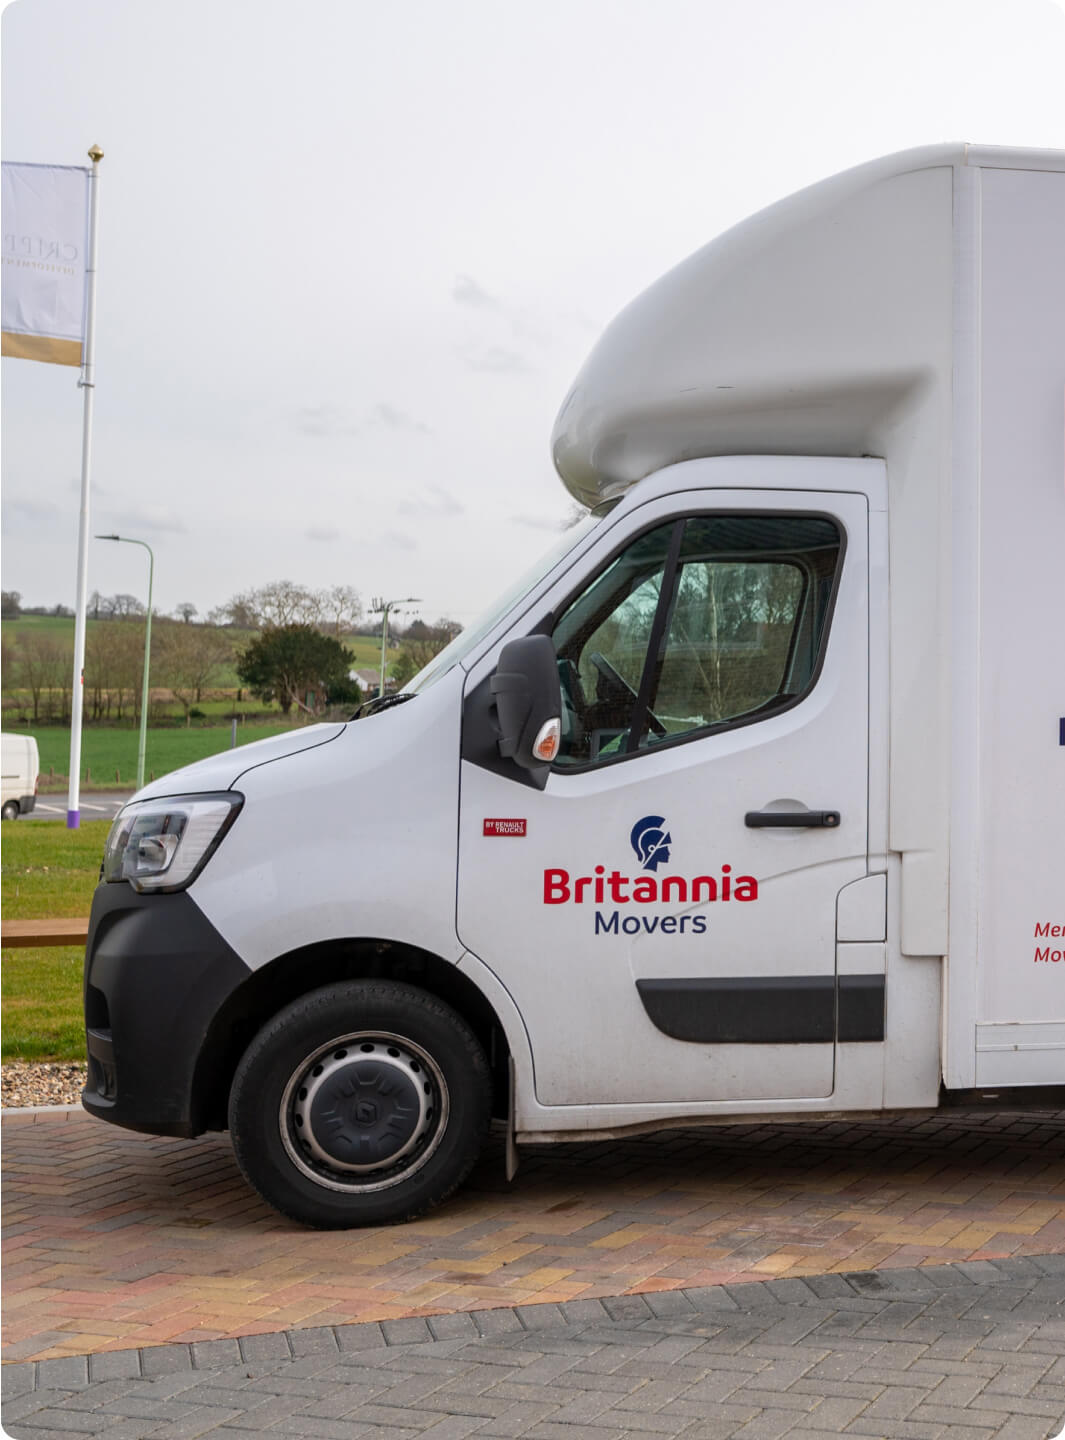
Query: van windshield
{"points": [[474, 633]]}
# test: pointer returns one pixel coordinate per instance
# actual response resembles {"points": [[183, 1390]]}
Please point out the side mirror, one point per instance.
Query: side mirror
{"points": [[528, 702]]}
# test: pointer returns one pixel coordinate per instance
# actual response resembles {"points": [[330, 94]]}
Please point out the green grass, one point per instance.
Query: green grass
{"points": [[48, 871], [105, 749]]}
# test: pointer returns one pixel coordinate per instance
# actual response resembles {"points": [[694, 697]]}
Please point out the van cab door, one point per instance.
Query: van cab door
{"points": [[663, 911]]}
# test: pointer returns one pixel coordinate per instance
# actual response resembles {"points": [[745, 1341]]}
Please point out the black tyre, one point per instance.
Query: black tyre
{"points": [[363, 1103], [10, 810]]}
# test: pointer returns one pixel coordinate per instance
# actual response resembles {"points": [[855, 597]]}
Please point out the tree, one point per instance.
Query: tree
{"points": [[420, 644], [340, 609], [185, 611], [186, 658], [114, 663], [43, 665], [13, 700], [12, 605], [336, 610], [290, 663]]}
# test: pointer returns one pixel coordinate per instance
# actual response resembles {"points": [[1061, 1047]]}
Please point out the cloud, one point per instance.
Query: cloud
{"points": [[495, 360], [332, 420], [399, 541], [321, 532], [35, 517], [466, 291], [539, 522], [434, 500], [325, 420], [157, 521], [388, 415]]}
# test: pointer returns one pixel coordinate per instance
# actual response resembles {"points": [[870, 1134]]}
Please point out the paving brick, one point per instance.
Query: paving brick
{"points": [[412, 1331], [17, 1379], [62, 1422], [29, 1403], [496, 1322], [450, 1327], [65, 1373], [211, 1353], [315, 1341], [166, 1359], [114, 1365]]}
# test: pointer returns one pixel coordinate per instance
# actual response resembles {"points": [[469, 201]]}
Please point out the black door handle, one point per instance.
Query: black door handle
{"points": [[807, 819]]}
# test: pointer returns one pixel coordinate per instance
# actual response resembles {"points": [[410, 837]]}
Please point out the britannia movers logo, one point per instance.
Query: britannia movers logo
{"points": [[652, 845]]}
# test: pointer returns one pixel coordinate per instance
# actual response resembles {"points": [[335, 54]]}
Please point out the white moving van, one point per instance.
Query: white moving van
{"points": [[748, 803], [21, 766]]}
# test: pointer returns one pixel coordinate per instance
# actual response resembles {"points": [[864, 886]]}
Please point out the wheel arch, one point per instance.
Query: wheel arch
{"points": [[272, 986]]}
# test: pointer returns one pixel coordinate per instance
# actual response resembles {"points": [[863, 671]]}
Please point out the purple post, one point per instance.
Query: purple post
{"points": [[73, 819]]}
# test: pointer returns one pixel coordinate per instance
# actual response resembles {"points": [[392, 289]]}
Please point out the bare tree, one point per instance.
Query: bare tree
{"points": [[335, 610], [114, 665], [42, 666], [127, 605], [188, 658], [341, 609], [185, 611], [242, 612], [282, 602], [13, 697]]}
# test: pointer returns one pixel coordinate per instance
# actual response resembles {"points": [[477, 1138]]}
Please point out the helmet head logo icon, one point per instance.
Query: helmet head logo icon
{"points": [[651, 841]]}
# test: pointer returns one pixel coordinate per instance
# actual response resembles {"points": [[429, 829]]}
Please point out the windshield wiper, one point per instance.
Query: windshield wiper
{"points": [[381, 702]]}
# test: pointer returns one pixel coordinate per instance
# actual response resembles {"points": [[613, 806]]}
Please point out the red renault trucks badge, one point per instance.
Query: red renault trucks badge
{"points": [[505, 827]]}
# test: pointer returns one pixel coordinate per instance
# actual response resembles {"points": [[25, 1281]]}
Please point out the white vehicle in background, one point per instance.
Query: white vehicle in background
{"points": [[748, 803], [21, 766]]}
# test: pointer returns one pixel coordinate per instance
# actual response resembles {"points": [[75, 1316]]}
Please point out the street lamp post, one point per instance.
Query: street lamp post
{"points": [[142, 743], [383, 607]]}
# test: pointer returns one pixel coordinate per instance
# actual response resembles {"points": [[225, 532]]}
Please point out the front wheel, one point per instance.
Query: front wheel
{"points": [[362, 1103], [10, 810]]}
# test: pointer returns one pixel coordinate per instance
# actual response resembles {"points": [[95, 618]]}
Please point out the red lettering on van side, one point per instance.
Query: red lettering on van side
{"points": [[556, 887]]}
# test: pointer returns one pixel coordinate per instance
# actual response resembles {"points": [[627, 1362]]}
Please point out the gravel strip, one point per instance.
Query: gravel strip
{"points": [[42, 1084]]}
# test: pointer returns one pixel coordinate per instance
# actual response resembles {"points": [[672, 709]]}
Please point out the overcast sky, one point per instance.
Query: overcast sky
{"points": [[352, 254]]}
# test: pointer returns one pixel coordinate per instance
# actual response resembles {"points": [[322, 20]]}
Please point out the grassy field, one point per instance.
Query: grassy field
{"points": [[47, 871], [107, 752]]}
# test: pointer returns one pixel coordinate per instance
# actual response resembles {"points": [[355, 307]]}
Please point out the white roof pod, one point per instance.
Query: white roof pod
{"points": [[798, 331]]}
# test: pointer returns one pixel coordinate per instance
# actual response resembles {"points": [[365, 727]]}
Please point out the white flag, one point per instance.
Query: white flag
{"points": [[46, 242]]}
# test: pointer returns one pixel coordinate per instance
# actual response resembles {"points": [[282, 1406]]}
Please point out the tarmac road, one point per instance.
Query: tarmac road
{"points": [[95, 805]]}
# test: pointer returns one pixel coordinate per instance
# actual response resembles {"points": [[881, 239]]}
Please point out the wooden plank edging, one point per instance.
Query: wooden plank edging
{"points": [[21, 934]]}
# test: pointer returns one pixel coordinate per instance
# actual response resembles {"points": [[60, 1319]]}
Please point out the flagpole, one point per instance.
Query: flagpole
{"points": [[87, 384]]}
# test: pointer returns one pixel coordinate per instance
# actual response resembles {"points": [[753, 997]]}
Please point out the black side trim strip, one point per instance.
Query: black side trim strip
{"points": [[757, 1010], [861, 1007]]}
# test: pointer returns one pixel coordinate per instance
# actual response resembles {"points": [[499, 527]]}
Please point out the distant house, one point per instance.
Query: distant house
{"points": [[368, 682]]}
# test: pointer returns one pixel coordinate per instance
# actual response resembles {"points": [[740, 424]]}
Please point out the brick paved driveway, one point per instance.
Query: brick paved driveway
{"points": [[948, 1352], [115, 1240]]}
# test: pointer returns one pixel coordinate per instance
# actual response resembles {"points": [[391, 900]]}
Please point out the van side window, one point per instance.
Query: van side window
{"points": [[602, 642], [699, 625]]}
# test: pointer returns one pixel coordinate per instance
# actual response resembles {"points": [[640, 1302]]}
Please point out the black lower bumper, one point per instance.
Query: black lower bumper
{"points": [[156, 974]]}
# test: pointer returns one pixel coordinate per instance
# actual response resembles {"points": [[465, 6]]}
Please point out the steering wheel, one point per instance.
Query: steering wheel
{"points": [[614, 678]]}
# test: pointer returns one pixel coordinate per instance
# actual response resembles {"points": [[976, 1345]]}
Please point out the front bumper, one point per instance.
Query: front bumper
{"points": [[156, 974]]}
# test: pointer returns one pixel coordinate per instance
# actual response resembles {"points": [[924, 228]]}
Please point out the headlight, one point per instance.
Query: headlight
{"points": [[162, 845]]}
